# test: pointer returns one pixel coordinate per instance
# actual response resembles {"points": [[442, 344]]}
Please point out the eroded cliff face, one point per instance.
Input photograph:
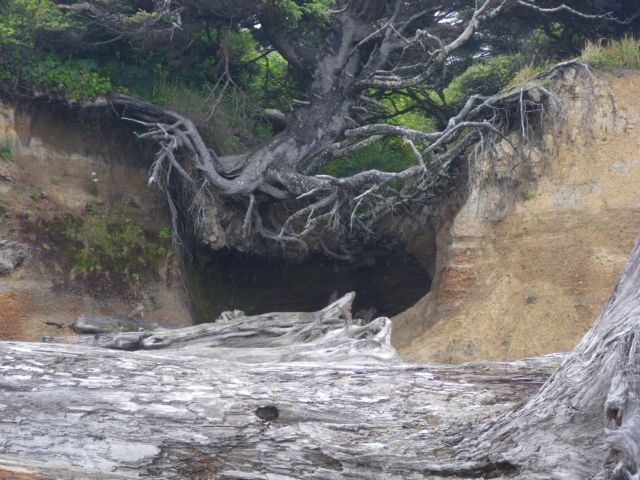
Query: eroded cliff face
{"points": [[59, 164], [532, 256], [55, 167], [526, 256]]}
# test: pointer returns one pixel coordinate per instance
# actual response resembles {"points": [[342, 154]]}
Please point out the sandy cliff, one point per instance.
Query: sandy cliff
{"points": [[533, 254]]}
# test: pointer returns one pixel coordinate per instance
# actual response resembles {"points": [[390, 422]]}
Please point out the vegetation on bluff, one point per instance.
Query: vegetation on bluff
{"points": [[311, 120]]}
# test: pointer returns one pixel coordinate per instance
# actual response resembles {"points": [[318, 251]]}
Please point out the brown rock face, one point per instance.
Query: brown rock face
{"points": [[533, 254]]}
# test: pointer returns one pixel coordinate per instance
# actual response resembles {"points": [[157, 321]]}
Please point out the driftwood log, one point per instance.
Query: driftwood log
{"points": [[289, 396]]}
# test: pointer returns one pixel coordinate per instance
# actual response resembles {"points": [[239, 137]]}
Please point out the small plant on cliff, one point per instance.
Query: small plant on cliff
{"points": [[612, 54], [109, 245], [485, 77], [6, 149], [527, 72], [3, 206]]}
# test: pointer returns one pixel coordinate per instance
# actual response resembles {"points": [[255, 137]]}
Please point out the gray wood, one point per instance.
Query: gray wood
{"points": [[93, 325], [307, 396], [104, 412]]}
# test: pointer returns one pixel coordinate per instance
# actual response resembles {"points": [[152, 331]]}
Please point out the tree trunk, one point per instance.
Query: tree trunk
{"points": [[309, 396]]}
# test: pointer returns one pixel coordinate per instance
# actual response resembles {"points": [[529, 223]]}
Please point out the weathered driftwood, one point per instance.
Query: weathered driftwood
{"points": [[93, 325], [277, 337], [104, 414], [286, 396]]}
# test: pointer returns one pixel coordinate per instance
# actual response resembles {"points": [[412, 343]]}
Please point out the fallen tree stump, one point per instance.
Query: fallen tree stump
{"points": [[288, 396]]}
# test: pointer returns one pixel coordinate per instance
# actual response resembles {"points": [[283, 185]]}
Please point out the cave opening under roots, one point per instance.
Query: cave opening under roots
{"points": [[386, 283]]}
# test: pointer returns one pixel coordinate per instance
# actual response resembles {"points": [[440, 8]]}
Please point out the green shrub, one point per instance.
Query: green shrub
{"points": [[19, 19], [389, 155], [415, 120], [6, 148], [109, 244], [612, 54], [75, 79], [485, 77]]}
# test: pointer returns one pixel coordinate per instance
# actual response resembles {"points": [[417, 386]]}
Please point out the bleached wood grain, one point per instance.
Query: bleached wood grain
{"points": [[305, 396]]}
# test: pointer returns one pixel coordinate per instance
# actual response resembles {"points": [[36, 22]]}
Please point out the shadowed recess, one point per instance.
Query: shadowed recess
{"points": [[228, 280]]}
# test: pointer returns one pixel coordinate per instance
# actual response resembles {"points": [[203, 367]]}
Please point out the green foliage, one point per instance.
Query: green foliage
{"points": [[554, 41], [415, 120], [242, 47], [528, 195], [486, 77], [75, 79], [19, 19], [526, 73], [90, 207], [294, 11], [164, 237], [109, 244], [389, 155], [612, 54], [6, 148], [134, 72], [24, 61], [269, 81]]}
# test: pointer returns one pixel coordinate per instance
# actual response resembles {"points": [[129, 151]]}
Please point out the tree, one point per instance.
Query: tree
{"points": [[360, 64]]}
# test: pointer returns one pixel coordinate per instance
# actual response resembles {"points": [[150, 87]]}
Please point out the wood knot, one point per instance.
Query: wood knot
{"points": [[267, 413]]}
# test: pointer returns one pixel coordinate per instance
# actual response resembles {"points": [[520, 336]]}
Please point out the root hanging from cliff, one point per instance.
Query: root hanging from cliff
{"points": [[535, 122]]}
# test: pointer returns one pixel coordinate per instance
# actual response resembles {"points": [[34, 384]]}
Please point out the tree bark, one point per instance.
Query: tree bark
{"points": [[307, 396], [275, 198]]}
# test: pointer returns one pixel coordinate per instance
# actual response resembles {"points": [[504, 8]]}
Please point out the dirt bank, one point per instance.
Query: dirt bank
{"points": [[523, 270], [59, 171]]}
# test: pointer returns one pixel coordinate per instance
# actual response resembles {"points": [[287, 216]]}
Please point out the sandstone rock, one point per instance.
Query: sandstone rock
{"points": [[532, 256]]}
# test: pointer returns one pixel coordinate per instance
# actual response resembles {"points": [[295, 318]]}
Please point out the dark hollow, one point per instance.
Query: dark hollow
{"points": [[228, 280], [267, 413]]}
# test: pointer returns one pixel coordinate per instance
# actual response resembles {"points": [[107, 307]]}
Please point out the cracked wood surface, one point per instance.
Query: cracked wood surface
{"points": [[105, 412], [272, 396], [287, 396]]}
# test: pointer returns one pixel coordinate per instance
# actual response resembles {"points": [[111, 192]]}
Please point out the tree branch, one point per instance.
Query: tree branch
{"points": [[572, 11]]}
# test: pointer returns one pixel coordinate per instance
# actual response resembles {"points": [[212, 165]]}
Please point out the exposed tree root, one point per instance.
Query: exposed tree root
{"points": [[334, 210]]}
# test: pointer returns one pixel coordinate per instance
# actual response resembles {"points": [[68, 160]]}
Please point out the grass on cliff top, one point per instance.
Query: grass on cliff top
{"points": [[527, 72], [612, 54]]}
